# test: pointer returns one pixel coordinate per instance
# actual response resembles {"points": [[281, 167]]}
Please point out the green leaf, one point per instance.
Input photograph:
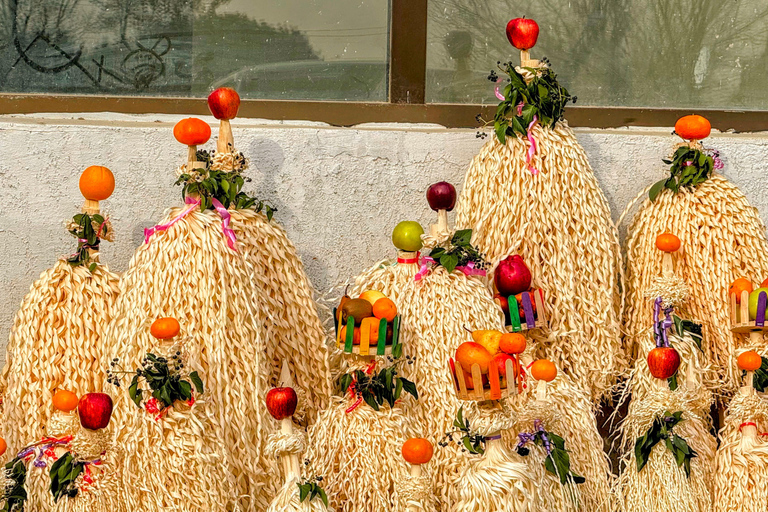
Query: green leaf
{"points": [[323, 496], [501, 131], [656, 189], [197, 381], [303, 492], [134, 392], [449, 261], [398, 388], [409, 387], [462, 237]]}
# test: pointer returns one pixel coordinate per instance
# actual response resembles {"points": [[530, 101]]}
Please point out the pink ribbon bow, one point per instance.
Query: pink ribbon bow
{"points": [[225, 218], [229, 234], [468, 269]]}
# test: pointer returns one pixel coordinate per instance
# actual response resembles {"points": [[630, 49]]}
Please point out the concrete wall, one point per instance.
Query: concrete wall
{"points": [[339, 191]]}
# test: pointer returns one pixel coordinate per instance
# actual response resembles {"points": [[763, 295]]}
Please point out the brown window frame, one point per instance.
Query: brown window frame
{"points": [[407, 84]]}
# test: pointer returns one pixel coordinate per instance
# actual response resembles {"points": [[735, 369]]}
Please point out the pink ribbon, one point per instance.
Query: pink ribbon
{"points": [[496, 90], [148, 232], [532, 148], [225, 218], [468, 269]]}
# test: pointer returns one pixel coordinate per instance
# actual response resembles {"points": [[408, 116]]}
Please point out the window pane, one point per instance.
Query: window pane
{"points": [[277, 49], [651, 53]]}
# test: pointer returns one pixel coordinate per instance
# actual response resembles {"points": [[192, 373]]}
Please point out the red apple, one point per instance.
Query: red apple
{"points": [[663, 362], [281, 402], [224, 102], [500, 360], [503, 302], [522, 33], [512, 276], [95, 410], [441, 196]]}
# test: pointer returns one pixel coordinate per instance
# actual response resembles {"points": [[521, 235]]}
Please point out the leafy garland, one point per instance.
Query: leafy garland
{"points": [[469, 440], [167, 380], [15, 495], [543, 98], [64, 473], [458, 253], [377, 388], [690, 167], [558, 460], [225, 186], [662, 430], [89, 230]]}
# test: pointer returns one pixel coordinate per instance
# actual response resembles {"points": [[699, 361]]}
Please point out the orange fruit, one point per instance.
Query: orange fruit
{"points": [[417, 450], [3, 446], [749, 361], [470, 353], [192, 131], [165, 328], [739, 286], [97, 183], [385, 309], [512, 343], [355, 335], [693, 127], [372, 296], [64, 400], [764, 284], [544, 369], [667, 242]]}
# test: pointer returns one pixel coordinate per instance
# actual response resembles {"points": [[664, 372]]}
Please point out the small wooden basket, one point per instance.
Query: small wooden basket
{"points": [[529, 299], [740, 322], [365, 348], [494, 391]]}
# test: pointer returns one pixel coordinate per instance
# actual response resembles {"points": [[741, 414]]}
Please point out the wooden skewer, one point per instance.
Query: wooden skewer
{"points": [[290, 461], [226, 141], [667, 267], [541, 391]]}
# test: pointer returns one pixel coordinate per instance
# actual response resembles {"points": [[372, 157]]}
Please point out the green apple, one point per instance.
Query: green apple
{"points": [[753, 302], [407, 236]]}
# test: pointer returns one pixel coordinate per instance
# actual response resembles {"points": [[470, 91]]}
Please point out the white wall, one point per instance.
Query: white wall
{"points": [[339, 191]]}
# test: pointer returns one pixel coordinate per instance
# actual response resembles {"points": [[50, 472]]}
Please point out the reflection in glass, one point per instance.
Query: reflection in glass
{"points": [[653, 53], [281, 49]]}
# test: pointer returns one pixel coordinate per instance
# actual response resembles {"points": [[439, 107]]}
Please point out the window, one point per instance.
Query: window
{"points": [[630, 62]]}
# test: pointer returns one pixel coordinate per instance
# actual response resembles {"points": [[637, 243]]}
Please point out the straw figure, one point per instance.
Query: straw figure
{"points": [[440, 302], [57, 337], [565, 409], [355, 442], [75, 467], [297, 494], [232, 278], [182, 462], [414, 491], [723, 239], [669, 461], [531, 192], [741, 476]]}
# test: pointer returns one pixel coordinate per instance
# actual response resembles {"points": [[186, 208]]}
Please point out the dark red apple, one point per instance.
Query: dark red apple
{"points": [[503, 302], [281, 402], [224, 102], [441, 196], [522, 33], [663, 362], [512, 276], [95, 410]]}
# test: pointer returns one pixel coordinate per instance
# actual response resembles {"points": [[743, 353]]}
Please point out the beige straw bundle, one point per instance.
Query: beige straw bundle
{"points": [[435, 315], [723, 238], [56, 343], [358, 454], [415, 493], [741, 477], [188, 272], [662, 486], [559, 222]]}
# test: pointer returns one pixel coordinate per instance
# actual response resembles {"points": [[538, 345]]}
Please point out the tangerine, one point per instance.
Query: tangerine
{"points": [[355, 335], [385, 308], [749, 361], [544, 369], [667, 242], [165, 328], [64, 400], [3, 446], [738, 286], [97, 183], [693, 127], [470, 353], [417, 450], [512, 343], [192, 131]]}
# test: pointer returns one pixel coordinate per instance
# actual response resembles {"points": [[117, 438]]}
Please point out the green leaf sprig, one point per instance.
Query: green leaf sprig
{"points": [[166, 378], [468, 439], [760, 382], [377, 388], [558, 460], [661, 430], [64, 473], [310, 489], [225, 186], [15, 495], [458, 252], [690, 166], [542, 97], [89, 230]]}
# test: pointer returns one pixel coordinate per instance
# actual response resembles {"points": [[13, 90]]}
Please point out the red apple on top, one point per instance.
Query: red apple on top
{"points": [[223, 103], [441, 196], [281, 402], [522, 33], [663, 362], [95, 410]]}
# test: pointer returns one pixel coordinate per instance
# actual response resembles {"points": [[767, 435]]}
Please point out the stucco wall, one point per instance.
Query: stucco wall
{"points": [[339, 191]]}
